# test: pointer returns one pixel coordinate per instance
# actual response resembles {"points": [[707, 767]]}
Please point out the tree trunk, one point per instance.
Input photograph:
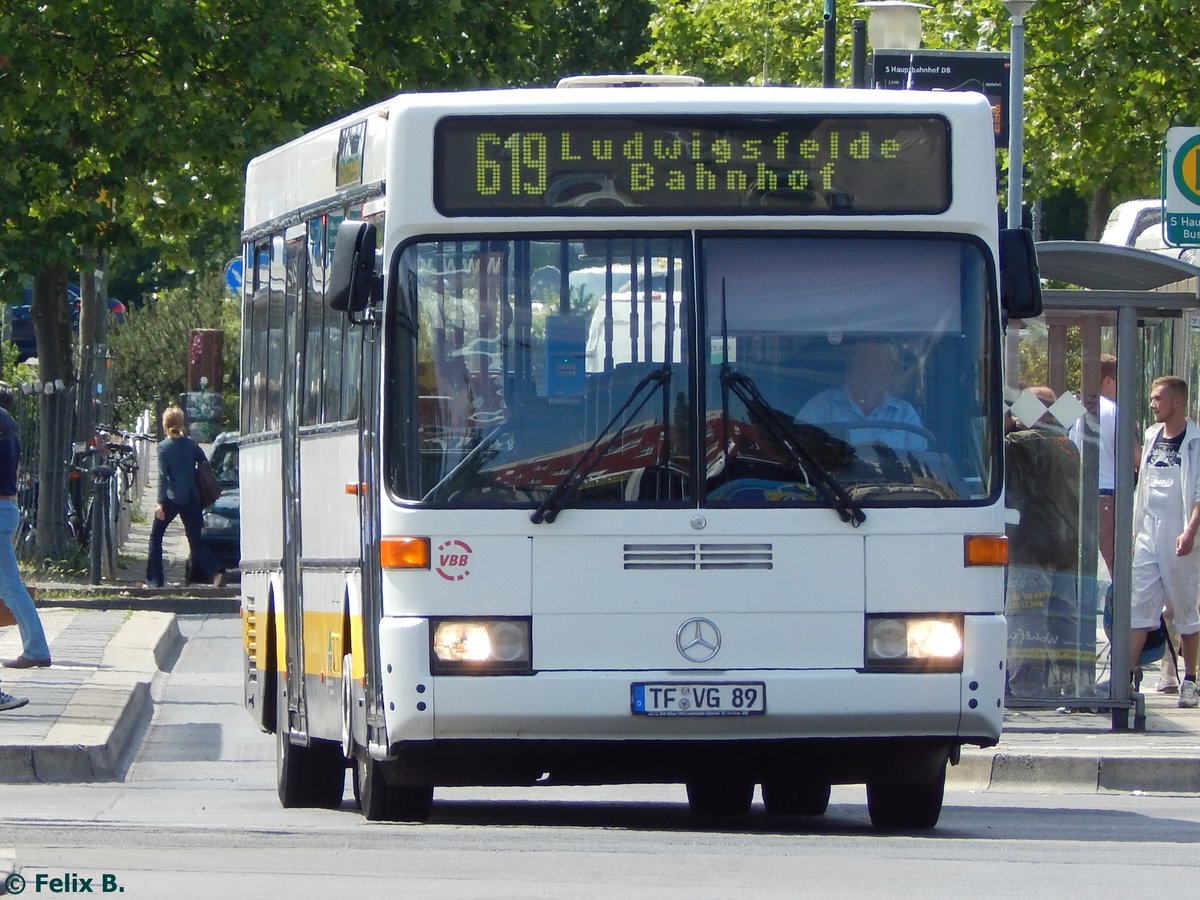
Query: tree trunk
{"points": [[52, 328], [1099, 206], [93, 332]]}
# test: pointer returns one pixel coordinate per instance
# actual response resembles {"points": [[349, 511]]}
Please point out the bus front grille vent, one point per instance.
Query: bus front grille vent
{"points": [[690, 557]]}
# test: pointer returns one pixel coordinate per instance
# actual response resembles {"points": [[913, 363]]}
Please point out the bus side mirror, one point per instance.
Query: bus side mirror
{"points": [[1020, 285], [352, 275]]}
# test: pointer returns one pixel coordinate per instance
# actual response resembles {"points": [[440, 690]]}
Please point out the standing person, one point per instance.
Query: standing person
{"points": [[1166, 516], [1105, 426], [1041, 598], [178, 456], [35, 653]]}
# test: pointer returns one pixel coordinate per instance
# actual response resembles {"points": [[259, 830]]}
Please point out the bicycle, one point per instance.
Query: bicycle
{"points": [[25, 536], [101, 530]]}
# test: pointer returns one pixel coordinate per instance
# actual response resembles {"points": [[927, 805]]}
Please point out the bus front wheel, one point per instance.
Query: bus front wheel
{"points": [[307, 776], [906, 807], [383, 802]]}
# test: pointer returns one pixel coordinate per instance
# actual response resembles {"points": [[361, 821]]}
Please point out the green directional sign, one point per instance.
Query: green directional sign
{"points": [[1181, 182]]}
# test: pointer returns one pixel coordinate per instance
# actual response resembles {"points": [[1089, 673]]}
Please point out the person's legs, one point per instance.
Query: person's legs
{"points": [[1105, 529], [1168, 678], [202, 555], [13, 592], [1147, 598], [154, 556], [1183, 602]]}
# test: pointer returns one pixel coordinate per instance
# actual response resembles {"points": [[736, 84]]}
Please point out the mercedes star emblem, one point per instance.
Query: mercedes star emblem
{"points": [[698, 640]]}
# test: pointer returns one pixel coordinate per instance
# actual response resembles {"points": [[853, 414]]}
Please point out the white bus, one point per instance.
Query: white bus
{"points": [[471, 556]]}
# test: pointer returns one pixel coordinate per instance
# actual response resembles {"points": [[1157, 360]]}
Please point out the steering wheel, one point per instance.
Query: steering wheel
{"points": [[849, 427]]}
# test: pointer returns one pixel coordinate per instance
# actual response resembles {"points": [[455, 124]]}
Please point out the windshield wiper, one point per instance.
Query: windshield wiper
{"points": [[563, 492], [821, 478], [758, 408], [477, 457]]}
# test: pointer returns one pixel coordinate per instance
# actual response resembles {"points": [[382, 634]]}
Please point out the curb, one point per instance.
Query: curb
{"points": [[177, 604], [1074, 773], [93, 736]]}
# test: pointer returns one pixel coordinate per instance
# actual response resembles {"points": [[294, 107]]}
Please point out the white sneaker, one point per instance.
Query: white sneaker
{"points": [[1187, 694], [8, 701]]}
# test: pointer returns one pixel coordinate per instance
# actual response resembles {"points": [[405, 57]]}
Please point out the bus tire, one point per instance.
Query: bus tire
{"points": [[383, 802], [795, 798], [906, 807], [307, 776], [720, 798]]}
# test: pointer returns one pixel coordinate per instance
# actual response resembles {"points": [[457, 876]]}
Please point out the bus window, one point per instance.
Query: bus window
{"points": [[519, 373], [845, 340]]}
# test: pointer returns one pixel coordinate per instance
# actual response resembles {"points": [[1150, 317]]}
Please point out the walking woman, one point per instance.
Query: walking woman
{"points": [[178, 456], [35, 652]]}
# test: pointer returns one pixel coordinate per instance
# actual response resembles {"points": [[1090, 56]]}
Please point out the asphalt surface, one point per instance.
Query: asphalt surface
{"points": [[88, 712]]}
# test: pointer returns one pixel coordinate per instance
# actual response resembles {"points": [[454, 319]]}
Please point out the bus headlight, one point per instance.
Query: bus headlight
{"points": [[908, 643], [480, 646]]}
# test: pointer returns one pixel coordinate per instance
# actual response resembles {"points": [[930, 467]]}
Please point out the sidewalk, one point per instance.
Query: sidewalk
{"points": [[1046, 751], [87, 712], [108, 642]]}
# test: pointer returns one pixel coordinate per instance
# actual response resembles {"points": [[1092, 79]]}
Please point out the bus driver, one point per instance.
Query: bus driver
{"points": [[864, 398]]}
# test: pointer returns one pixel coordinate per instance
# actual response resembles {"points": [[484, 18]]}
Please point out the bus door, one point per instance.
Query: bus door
{"points": [[289, 463], [369, 498]]}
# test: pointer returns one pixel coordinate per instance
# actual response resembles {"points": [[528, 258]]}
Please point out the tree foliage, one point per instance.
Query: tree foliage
{"points": [[1105, 82], [151, 349], [740, 41], [130, 121], [410, 45], [1104, 78]]}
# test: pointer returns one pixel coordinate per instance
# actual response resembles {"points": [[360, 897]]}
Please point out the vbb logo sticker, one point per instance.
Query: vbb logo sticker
{"points": [[453, 559]]}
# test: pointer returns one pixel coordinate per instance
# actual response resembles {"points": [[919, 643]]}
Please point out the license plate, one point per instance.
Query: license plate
{"points": [[746, 698]]}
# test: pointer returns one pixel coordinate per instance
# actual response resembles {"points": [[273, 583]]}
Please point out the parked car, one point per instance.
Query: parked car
{"points": [[21, 324], [221, 528]]}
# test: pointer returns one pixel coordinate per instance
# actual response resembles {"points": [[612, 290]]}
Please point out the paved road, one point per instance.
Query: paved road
{"points": [[197, 816]]}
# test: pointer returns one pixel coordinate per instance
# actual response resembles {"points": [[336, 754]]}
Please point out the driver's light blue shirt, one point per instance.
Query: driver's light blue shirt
{"points": [[834, 406]]}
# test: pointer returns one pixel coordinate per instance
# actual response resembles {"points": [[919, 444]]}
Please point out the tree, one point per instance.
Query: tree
{"points": [[151, 349], [1104, 80], [413, 45], [740, 41], [131, 120], [592, 37]]}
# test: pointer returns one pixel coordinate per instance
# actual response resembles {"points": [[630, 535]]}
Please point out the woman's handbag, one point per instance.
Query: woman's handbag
{"points": [[6, 616], [208, 489]]}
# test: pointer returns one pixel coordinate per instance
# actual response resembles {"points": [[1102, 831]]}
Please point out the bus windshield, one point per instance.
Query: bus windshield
{"points": [[519, 367]]}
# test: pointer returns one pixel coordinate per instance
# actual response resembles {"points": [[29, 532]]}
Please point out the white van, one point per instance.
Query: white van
{"points": [[622, 330]]}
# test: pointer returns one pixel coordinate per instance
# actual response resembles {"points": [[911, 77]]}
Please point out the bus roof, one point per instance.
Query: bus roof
{"points": [[288, 178]]}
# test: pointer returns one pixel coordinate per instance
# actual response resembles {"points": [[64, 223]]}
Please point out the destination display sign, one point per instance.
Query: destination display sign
{"points": [[617, 166]]}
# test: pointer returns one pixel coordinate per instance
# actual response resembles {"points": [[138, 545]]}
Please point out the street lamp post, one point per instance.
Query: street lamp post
{"points": [[1016, 104]]}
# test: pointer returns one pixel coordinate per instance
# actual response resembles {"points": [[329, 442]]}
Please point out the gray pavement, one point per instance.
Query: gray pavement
{"points": [[87, 713], [108, 642]]}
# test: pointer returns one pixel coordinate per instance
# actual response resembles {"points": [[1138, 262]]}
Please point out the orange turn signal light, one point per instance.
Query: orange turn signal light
{"points": [[357, 488], [985, 550], [404, 553]]}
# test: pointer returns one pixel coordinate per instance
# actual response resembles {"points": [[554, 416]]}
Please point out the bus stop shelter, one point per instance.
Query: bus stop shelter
{"points": [[1117, 298]]}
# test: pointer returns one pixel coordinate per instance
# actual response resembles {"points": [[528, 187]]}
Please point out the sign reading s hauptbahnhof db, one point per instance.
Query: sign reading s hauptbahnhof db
{"points": [[1181, 181]]}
